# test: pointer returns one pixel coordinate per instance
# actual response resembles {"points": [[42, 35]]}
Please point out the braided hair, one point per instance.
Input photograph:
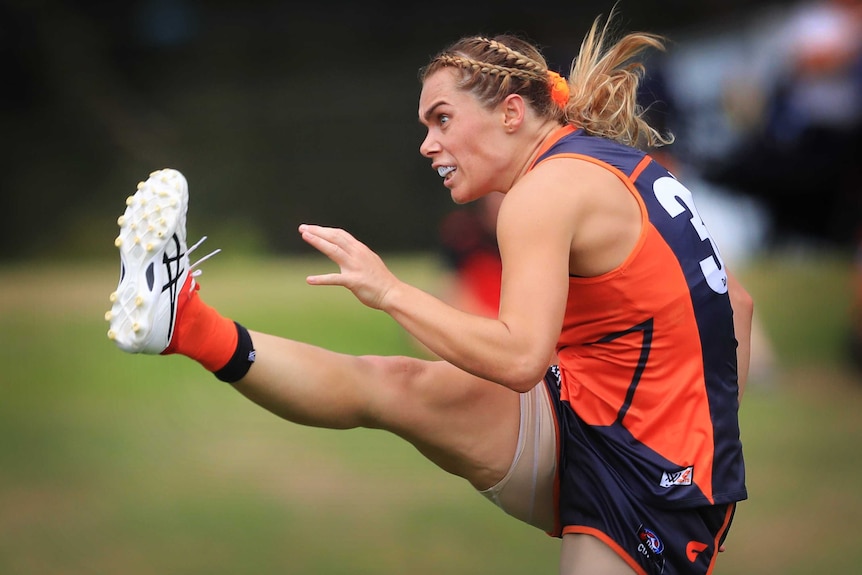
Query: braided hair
{"points": [[603, 80], [493, 68]]}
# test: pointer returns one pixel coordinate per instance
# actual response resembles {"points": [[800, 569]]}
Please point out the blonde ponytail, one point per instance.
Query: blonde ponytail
{"points": [[603, 87]]}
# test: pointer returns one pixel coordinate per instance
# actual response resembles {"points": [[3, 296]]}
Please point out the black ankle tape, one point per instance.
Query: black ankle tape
{"points": [[242, 358]]}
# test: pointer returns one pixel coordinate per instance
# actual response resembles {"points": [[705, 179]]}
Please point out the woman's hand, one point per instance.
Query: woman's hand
{"points": [[361, 270]]}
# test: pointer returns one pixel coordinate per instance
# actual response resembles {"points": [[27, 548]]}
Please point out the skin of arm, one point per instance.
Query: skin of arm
{"points": [[743, 312], [566, 216], [512, 349]]}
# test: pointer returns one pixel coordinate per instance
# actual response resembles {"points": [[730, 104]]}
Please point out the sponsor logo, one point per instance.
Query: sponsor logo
{"points": [[675, 478], [693, 549], [651, 547], [652, 540], [555, 370]]}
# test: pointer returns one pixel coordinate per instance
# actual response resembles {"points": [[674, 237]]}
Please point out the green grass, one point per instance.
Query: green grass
{"points": [[111, 463]]}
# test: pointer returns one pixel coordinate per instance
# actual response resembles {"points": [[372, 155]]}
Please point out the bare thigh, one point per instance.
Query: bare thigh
{"points": [[586, 555], [466, 425]]}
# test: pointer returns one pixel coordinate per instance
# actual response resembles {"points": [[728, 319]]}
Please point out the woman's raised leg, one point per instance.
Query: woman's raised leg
{"points": [[465, 425]]}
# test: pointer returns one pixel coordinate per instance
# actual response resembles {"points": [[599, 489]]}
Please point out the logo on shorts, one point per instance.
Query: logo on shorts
{"points": [[555, 370], [651, 546], [652, 540], [674, 478], [694, 549]]}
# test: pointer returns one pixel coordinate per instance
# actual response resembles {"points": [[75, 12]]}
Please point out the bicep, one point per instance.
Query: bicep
{"points": [[535, 242]]}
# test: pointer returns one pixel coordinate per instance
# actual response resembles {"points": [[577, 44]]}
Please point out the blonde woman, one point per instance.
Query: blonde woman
{"points": [[628, 450]]}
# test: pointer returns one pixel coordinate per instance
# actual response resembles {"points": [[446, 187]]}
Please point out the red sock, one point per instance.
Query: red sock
{"points": [[201, 333]]}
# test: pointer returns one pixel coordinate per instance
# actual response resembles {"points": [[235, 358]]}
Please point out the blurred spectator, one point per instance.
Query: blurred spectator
{"points": [[804, 157], [468, 243]]}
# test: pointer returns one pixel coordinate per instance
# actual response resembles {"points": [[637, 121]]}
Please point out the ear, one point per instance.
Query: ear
{"points": [[514, 110]]}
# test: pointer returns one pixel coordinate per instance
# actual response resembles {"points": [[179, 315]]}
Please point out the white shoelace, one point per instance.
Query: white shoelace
{"points": [[192, 268]]}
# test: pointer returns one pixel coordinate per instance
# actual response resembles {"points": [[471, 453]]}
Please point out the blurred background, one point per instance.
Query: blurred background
{"points": [[286, 112], [283, 112]]}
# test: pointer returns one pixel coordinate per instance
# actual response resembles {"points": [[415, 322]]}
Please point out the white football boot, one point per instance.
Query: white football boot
{"points": [[154, 264]]}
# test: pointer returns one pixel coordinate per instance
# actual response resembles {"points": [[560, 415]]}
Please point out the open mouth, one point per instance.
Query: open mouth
{"points": [[444, 171]]}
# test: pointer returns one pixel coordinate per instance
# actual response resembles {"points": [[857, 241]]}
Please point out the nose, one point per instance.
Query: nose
{"points": [[429, 146]]}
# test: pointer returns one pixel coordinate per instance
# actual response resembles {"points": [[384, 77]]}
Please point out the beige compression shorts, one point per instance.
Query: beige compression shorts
{"points": [[527, 490]]}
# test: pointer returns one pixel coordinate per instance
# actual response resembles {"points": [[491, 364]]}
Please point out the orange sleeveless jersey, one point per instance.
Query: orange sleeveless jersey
{"points": [[647, 351]]}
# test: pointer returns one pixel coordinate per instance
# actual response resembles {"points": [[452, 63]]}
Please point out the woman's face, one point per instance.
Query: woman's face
{"points": [[465, 141]]}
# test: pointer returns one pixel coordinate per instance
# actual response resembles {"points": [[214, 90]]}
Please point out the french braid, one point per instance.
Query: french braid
{"points": [[603, 81]]}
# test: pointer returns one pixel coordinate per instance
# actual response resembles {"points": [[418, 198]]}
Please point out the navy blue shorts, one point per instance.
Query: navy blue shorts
{"points": [[594, 500]]}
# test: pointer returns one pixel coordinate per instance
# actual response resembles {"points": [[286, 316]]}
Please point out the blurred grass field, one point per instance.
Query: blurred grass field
{"points": [[111, 463]]}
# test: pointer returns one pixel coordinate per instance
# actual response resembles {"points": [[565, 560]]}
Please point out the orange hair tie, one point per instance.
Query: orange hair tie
{"points": [[559, 89]]}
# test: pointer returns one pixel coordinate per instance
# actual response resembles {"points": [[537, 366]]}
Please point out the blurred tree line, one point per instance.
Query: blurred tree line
{"points": [[277, 112]]}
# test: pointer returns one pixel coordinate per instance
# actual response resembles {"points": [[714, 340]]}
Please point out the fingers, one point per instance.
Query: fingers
{"points": [[360, 269], [334, 243], [325, 280], [326, 240], [335, 236]]}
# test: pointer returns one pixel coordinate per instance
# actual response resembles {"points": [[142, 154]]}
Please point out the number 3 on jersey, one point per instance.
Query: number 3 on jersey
{"points": [[676, 199]]}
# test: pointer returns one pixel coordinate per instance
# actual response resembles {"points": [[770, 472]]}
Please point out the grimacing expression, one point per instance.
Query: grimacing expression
{"points": [[460, 139]]}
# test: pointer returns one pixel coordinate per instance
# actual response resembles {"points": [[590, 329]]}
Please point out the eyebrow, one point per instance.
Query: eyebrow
{"points": [[430, 112]]}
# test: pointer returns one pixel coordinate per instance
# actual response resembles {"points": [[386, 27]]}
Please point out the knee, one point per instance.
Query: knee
{"points": [[405, 388], [395, 383]]}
